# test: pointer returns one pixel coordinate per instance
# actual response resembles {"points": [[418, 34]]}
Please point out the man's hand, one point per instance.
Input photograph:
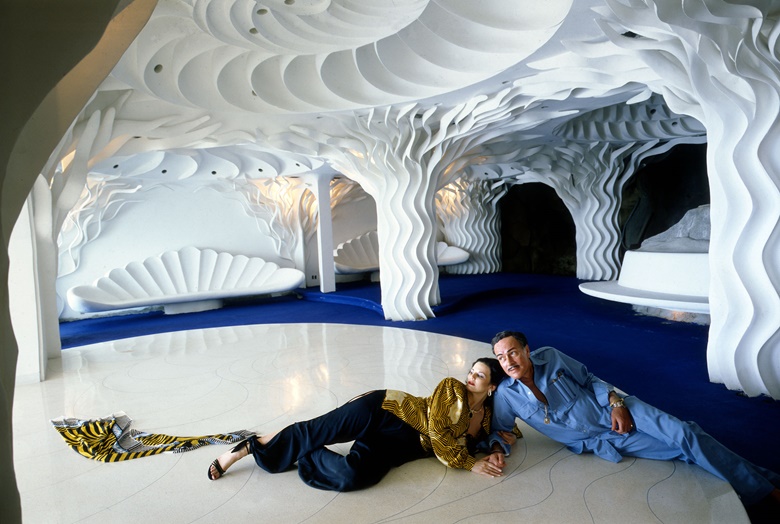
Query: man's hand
{"points": [[497, 458], [622, 421], [485, 467], [508, 437]]}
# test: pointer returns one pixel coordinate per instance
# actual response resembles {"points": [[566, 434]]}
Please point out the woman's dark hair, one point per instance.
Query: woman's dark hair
{"points": [[496, 374], [504, 334], [496, 371]]}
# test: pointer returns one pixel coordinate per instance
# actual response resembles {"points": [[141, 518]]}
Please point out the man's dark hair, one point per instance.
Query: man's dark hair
{"points": [[520, 337]]}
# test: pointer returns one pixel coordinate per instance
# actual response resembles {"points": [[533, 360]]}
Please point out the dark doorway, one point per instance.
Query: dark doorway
{"points": [[537, 232], [662, 191]]}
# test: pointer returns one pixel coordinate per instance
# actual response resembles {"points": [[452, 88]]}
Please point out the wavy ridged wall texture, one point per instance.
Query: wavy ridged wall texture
{"points": [[586, 172], [642, 121], [206, 74], [587, 178], [469, 218], [717, 62], [247, 176], [401, 157], [701, 79]]}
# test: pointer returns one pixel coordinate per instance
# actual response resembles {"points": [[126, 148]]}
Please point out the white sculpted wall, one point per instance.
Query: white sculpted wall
{"points": [[467, 213], [401, 157], [201, 76], [168, 219], [208, 74], [213, 200], [32, 124], [719, 63]]}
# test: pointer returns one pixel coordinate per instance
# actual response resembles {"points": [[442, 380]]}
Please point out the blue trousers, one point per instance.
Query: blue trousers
{"points": [[661, 436], [382, 441]]}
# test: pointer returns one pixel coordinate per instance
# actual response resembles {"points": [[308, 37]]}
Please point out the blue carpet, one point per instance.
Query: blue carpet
{"points": [[662, 362]]}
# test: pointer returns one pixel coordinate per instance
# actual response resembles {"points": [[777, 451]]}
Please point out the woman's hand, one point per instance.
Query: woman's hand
{"points": [[497, 459], [508, 437], [486, 467]]}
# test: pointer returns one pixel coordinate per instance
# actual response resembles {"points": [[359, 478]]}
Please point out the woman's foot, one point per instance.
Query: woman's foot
{"points": [[221, 464]]}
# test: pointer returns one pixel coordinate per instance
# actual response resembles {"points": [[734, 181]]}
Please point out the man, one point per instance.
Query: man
{"points": [[557, 396]]}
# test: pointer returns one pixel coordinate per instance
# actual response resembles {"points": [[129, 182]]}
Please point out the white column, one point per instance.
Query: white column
{"points": [[23, 300], [320, 186]]}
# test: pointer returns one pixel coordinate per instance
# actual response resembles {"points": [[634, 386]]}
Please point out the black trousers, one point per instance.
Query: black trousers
{"points": [[382, 441]]}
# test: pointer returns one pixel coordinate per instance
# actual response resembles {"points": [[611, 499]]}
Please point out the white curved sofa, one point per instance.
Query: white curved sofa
{"points": [[361, 254], [664, 280], [187, 280], [670, 271]]}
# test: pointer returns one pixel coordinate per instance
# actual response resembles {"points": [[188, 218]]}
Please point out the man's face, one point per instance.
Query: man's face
{"points": [[514, 358]]}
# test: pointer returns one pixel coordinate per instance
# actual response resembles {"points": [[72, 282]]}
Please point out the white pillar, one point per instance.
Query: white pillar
{"points": [[320, 185], [23, 300]]}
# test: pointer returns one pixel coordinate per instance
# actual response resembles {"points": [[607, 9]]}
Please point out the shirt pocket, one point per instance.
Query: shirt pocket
{"points": [[527, 409], [564, 390]]}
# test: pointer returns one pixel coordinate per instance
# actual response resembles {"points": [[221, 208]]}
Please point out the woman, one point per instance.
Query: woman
{"points": [[389, 428]]}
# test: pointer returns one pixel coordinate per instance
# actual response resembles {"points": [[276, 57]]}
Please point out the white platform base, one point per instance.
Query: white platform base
{"points": [[672, 281], [191, 307], [614, 291]]}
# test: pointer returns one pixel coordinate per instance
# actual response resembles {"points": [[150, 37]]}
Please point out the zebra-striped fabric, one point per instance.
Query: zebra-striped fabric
{"points": [[111, 439]]}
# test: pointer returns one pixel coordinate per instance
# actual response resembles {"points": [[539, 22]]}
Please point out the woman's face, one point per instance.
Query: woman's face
{"points": [[478, 379]]}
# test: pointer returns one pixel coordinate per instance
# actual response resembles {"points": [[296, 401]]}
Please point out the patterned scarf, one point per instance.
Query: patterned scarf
{"points": [[110, 439]]}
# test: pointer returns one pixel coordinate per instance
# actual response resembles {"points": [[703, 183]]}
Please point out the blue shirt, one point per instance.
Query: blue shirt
{"points": [[578, 415], [578, 411]]}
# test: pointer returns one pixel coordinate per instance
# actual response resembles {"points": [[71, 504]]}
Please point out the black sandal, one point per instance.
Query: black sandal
{"points": [[218, 468], [236, 449]]}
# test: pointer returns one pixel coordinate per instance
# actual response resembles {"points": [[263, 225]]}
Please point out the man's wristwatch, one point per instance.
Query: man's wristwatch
{"points": [[617, 403]]}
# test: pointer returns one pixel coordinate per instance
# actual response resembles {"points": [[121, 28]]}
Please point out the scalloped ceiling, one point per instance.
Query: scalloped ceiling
{"points": [[226, 73], [306, 55]]}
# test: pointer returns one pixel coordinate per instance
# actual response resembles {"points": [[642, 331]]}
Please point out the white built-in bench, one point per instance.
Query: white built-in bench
{"points": [[671, 281], [186, 280], [670, 271]]}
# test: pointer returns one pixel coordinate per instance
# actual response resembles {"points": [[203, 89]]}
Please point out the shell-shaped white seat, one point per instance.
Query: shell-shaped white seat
{"points": [[358, 255], [361, 254], [184, 276], [447, 255]]}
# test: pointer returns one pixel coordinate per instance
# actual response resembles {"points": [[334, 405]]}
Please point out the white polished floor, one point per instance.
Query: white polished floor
{"points": [[262, 377]]}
